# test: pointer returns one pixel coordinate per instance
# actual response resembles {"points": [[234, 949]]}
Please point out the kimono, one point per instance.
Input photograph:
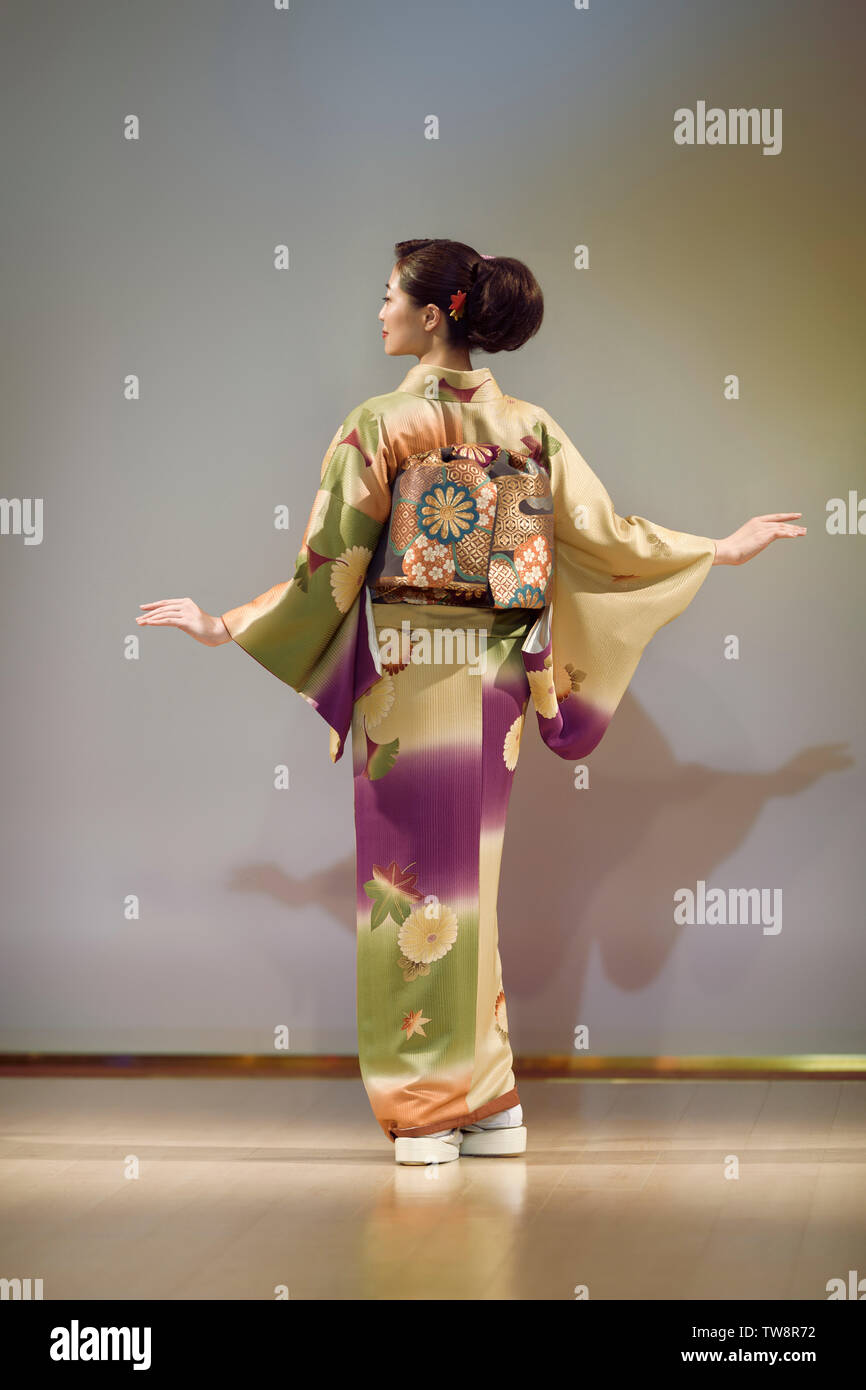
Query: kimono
{"points": [[461, 561]]}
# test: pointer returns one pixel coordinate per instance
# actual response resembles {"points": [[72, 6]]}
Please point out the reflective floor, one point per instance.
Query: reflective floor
{"points": [[179, 1188]]}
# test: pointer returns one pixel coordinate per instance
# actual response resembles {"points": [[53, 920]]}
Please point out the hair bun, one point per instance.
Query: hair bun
{"points": [[478, 267], [499, 314]]}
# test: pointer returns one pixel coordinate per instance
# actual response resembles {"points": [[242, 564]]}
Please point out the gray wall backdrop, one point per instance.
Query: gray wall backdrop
{"points": [[154, 776]]}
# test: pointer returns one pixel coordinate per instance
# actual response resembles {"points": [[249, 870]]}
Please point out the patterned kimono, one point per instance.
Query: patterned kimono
{"points": [[460, 559]]}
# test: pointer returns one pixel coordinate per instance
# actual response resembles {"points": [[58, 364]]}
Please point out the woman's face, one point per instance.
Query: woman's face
{"points": [[403, 323]]}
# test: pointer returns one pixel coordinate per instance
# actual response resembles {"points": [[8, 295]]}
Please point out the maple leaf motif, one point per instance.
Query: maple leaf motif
{"points": [[412, 1023], [392, 891]]}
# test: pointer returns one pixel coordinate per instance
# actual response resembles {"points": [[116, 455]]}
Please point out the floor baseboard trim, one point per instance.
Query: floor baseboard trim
{"points": [[814, 1067]]}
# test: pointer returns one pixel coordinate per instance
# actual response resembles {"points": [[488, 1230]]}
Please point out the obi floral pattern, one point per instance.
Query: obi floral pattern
{"points": [[469, 523]]}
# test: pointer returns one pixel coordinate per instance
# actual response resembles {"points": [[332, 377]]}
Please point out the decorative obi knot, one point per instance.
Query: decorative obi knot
{"points": [[469, 523]]}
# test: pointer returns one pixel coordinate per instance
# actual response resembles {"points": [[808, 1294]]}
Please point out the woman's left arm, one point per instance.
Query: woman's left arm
{"points": [[755, 536], [616, 581]]}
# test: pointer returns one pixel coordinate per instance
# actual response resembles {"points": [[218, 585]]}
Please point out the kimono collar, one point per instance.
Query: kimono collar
{"points": [[451, 385]]}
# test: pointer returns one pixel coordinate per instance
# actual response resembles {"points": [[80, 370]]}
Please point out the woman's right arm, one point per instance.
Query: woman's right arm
{"points": [[206, 628], [288, 627]]}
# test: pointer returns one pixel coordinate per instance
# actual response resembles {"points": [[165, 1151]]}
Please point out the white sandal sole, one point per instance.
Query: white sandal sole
{"points": [[506, 1142], [426, 1150]]}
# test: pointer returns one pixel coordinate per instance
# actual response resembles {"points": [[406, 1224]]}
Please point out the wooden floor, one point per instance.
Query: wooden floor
{"points": [[247, 1185]]}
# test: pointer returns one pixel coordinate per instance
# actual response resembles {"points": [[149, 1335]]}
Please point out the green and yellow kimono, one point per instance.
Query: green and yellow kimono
{"points": [[460, 559]]}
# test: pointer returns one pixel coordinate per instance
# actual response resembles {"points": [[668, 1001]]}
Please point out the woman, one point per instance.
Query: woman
{"points": [[460, 557]]}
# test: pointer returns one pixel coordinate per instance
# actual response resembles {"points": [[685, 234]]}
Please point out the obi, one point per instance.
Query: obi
{"points": [[469, 523]]}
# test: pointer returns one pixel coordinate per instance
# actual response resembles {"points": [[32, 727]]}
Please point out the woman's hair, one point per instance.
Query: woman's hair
{"points": [[504, 305]]}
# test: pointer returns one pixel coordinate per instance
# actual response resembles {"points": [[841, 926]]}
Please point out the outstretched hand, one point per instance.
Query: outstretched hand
{"points": [[755, 536], [183, 613]]}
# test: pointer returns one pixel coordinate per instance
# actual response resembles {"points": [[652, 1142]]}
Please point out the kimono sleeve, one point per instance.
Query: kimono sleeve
{"points": [[617, 580], [315, 631]]}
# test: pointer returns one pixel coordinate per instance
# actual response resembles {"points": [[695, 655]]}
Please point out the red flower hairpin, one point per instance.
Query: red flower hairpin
{"points": [[457, 302]]}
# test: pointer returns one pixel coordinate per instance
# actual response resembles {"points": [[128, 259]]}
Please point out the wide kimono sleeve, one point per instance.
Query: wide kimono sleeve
{"points": [[616, 581], [315, 631]]}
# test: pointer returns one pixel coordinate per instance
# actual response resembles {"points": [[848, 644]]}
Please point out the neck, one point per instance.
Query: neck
{"points": [[453, 359]]}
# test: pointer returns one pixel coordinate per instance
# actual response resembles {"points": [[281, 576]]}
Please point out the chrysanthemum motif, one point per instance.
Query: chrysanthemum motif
{"points": [[446, 512], [543, 693], [479, 453], [501, 1016], [423, 939], [347, 575], [377, 701], [511, 745]]}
